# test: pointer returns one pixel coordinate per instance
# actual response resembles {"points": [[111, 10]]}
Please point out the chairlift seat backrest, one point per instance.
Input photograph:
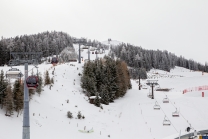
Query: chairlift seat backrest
{"points": [[176, 113], [156, 106], [166, 122], [166, 100]]}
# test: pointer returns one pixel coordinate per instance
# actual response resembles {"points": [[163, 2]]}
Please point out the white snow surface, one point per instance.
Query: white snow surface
{"points": [[129, 117]]}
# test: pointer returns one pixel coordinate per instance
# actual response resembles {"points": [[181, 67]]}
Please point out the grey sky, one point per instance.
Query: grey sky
{"points": [[179, 26]]}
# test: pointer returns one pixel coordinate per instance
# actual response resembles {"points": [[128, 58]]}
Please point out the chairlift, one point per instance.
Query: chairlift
{"points": [[176, 113], [166, 100], [54, 61], [156, 106], [166, 122], [32, 82]]}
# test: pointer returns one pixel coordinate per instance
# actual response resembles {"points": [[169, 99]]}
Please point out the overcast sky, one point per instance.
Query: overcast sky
{"points": [[179, 26]]}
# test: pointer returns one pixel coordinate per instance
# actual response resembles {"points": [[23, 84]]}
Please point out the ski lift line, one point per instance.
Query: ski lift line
{"points": [[30, 70], [179, 111], [167, 117]]}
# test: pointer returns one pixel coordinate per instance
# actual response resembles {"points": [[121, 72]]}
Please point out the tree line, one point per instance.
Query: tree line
{"points": [[137, 57], [106, 78], [50, 43]]}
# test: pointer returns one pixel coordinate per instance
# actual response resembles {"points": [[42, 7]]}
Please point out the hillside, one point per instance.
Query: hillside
{"points": [[129, 117]]}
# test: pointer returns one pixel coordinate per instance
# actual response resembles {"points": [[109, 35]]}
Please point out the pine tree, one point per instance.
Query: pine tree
{"points": [[3, 86], [18, 92], [52, 80], [47, 78], [40, 84], [97, 100], [88, 80], [79, 115], [104, 95], [8, 101], [119, 80]]}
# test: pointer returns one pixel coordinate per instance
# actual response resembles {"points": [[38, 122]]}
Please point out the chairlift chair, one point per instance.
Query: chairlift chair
{"points": [[166, 122], [166, 100], [176, 113], [156, 106], [32, 82]]}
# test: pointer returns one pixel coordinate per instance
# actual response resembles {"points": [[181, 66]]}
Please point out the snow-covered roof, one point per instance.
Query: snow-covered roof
{"points": [[93, 97]]}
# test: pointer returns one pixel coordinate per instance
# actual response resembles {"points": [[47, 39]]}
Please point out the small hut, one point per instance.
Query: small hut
{"points": [[92, 98]]}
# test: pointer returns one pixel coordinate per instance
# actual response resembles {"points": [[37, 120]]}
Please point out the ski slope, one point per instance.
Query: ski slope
{"points": [[131, 116]]}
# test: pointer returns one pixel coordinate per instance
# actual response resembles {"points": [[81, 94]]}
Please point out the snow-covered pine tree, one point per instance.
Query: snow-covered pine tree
{"points": [[119, 78], [98, 74], [52, 81], [8, 101], [47, 78], [88, 80], [111, 78], [97, 100], [18, 96], [3, 86], [104, 94], [40, 84]]}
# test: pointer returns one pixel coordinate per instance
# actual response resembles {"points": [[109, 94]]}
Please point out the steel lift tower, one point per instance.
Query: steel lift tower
{"points": [[152, 83], [81, 41]]}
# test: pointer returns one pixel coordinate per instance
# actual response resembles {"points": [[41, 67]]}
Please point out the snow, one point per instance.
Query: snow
{"points": [[93, 97], [131, 116]]}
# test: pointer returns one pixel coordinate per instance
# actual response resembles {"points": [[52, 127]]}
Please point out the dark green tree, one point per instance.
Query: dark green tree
{"points": [[8, 101], [18, 96], [97, 100], [40, 84], [47, 78], [3, 86]]}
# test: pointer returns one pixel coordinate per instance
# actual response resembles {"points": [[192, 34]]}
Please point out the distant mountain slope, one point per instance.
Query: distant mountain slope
{"points": [[112, 42], [138, 57]]}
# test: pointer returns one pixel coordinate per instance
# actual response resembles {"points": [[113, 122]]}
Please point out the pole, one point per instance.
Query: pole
{"points": [[79, 54], [89, 53], [26, 115], [139, 83], [96, 54], [152, 92]]}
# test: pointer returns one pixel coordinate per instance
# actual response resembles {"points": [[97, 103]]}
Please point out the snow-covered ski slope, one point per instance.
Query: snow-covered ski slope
{"points": [[130, 117]]}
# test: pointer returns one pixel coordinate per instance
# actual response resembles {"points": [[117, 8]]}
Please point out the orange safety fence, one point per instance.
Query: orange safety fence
{"points": [[199, 88]]}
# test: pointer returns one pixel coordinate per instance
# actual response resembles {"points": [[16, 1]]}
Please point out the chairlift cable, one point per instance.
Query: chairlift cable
{"points": [[179, 111], [167, 117]]}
